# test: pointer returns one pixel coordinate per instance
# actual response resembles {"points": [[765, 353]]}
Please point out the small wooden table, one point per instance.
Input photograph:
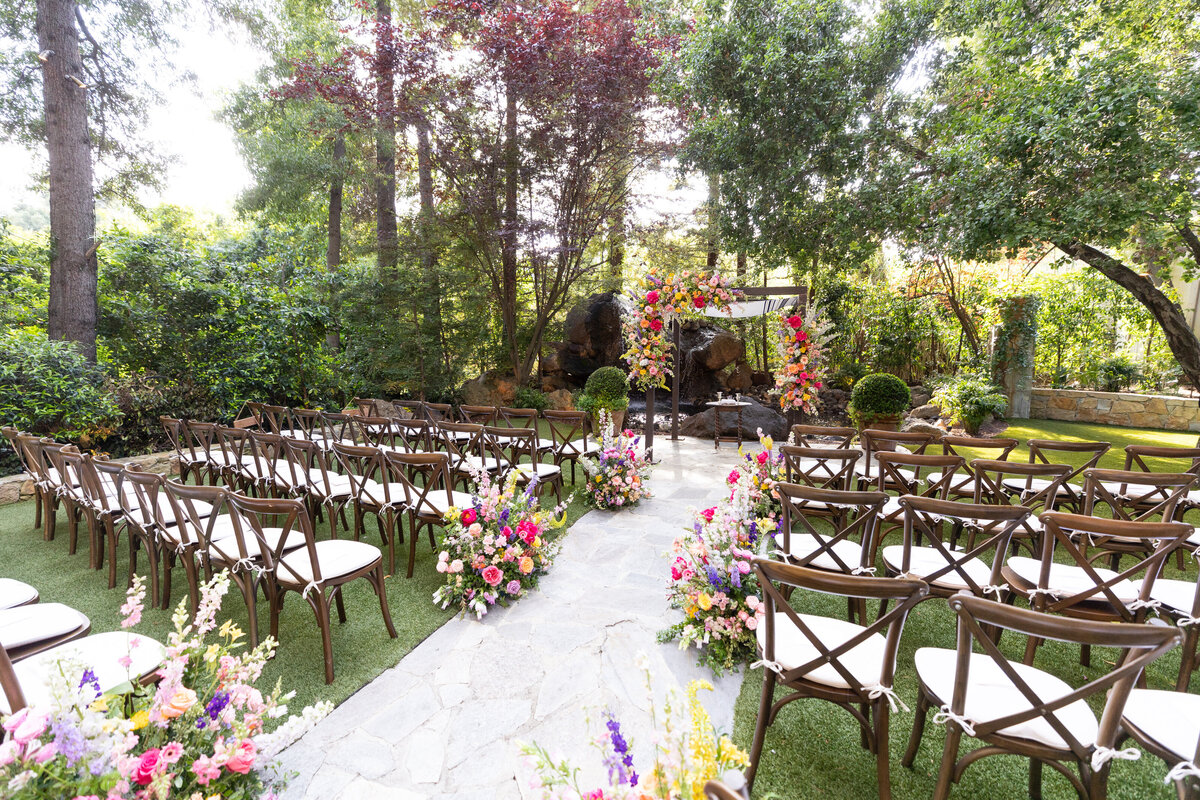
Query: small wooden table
{"points": [[719, 407]]}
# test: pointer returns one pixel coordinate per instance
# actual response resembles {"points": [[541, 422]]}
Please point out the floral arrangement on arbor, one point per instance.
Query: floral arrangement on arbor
{"points": [[756, 478], [713, 583], [687, 753], [497, 549], [799, 345], [658, 299], [201, 733], [617, 475]]}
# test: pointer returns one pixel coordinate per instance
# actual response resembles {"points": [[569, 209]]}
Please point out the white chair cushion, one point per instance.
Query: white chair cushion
{"points": [[337, 557], [15, 593], [1067, 580], [793, 648], [543, 470], [1170, 718], [927, 560], [991, 695], [802, 544], [339, 486], [489, 463], [436, 501], [100, 652], [1174, 594], [891, 507], [225, 549], [222, 528], [374, 493], [37, 623], [577, 447]]}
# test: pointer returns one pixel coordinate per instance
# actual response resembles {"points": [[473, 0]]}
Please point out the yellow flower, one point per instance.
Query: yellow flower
{"points": [[704, 751], [704, 601], [214, 650], [768, 442], [232, 631], [140, 720]]}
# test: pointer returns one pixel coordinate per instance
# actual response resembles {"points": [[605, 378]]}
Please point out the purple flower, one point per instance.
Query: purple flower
{"points": [[89, 679], [735, 579], [216, 704], [714, 577], [68, 740], [620, 764], [514, 587], [504, 515]]}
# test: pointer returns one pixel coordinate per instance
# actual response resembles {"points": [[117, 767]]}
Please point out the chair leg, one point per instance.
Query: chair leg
{"points": [[321, 608], [333, 515], [949, 757], [50, 517], [110, 533], [168, 566], [341, 605], [883, 773], [1035, 779], [37, 507], [918, 731], [414, 531], [760, 725], [1085, 655], [1187, 659], [250, 595], [376, 580]]}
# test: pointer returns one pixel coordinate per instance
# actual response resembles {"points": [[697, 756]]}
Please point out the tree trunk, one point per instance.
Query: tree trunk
{"points": [[429, 256], [508, 251], [714, 197], [1180, 337], [333, 252], [71, 313], [616, 244], [386, 234]]}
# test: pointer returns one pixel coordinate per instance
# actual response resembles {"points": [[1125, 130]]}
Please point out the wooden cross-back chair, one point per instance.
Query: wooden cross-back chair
{"points": [[212, 460], [479, 415], [908, 474], [430, 493], [1045, 451], [843, 539], [367, 406], [519, 417], [323, 489], [516, 450], [811, 656], [1039, 491], [374, 492], [1167, 724], [1136, 497], [412, 435], [307, 422], [48, 482], [316, 571], [972, 447], [437, 412], [826, 468], [64, 470], [337, 426], [876, 442], [822, 436], [569, 440], [1018, 709]]}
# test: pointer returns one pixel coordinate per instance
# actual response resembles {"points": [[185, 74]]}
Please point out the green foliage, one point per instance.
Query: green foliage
{"points": [[969, 400], [143, 398], [879, 395], [531, 398], [606, 388], [1116, 374], [49, 388]]}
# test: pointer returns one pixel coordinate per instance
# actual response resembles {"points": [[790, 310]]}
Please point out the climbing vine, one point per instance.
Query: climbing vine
{"points": [[1018, 320]]}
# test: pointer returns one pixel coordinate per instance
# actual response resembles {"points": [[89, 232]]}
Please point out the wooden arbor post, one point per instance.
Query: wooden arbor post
{"points": [[675, 382]]}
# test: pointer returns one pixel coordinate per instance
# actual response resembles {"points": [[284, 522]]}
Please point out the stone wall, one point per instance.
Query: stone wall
{"points": [[14, 488], [1117, 408]]}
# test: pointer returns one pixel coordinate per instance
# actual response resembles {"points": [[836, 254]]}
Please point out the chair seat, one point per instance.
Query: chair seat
{"points": [[545, 444], [991, 695], [222, 528], [37, 623], [374, 493], [543, 471], [1176, 595], [336, 558], [339, 486], [14, 593], [927, 560], [793, 648], [1171, 719], [959, 484], [804, 544], [55, 478], [225, 549], [891, 507], [1066, 580], [489, 463], [577, 447], [437, 503], [303, 477], [101, 653]]}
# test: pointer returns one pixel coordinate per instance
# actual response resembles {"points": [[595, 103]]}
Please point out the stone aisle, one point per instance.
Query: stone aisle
{"points": [[448, 719]]}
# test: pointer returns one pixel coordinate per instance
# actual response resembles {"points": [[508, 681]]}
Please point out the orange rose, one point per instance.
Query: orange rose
{"points": [[526, 565], [178, 705]]}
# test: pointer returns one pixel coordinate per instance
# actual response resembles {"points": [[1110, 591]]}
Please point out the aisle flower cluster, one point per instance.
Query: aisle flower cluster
{"points": [[201, 733], [687, 752], [617, 475], [658, 299], [799, 347], [756, 477], [713, 583], [496, 549]]}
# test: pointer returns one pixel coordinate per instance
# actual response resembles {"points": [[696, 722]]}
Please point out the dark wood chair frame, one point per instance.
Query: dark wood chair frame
{"points": [[845, 436], [996, 491], [305, 457], [825, 468], [567, 430], [479, 415], [965, 485], [1072, 496], [423, 475], [363, 464]]}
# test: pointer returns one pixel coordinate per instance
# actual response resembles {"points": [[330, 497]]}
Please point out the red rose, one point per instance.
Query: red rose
{"points": [[656, 324], [144, 773], [241, 758], [817, 384], [708, 513], [651, 297], [468, 516], [795, 321], [698, 302], [492, 575]]}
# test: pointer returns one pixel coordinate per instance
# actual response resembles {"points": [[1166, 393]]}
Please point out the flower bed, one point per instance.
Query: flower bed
{"points": [[617, 475], [496, 550], [201, 733]]}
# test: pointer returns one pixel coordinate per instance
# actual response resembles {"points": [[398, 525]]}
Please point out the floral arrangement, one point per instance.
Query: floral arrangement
{"points": [[662, 297], [200, 734], [687, 753], [756, 478], [713, 584], [799, 345], [495, 551], [617, 475]]}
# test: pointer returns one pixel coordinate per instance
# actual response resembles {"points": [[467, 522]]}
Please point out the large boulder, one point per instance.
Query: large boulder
{"points": [[594, 337], [914, 425], [755, 417], [927, 411], [740, 378], [705, 349], [492, 388], [561, 400]]}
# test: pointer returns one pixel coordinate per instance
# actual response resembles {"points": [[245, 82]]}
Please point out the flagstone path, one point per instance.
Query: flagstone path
{"points": [[448, 719]]}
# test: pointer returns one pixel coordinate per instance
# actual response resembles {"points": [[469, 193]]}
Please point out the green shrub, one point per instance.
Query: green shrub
{"points": [[143, 398], [970, 400], [878, 395], [531, 398], [50, 389], [1116, 374], [606, 388]]}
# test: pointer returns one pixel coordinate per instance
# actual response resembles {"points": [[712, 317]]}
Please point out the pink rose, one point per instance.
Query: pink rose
{"points": [[656, 324], [734, 477], [147, 765], [762, 457], [708, 513], [468, 516], [26, 725], [205, 769], [241, 758], [44, 753], [652, 297], [752, 624], [492, 575]]}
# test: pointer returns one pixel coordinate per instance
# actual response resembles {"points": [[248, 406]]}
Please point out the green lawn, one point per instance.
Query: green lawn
{"points": [[813, 750], [1025, 429], [361, 647]]}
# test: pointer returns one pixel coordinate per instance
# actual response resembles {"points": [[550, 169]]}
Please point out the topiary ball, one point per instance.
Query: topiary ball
{"points": [[608, 385], [880, 394]]}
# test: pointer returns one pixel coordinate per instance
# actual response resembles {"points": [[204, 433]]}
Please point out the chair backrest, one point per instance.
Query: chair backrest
{"points": [[850, 514], [288, 521], [819, 436], [303, 458], [337, 426], [906, 472], [367, 406], [438, 412], [1046, 451], [143, 501], [203, 437], [519, 417], [65, 461], [424, 476], [34, 457], [775, 578], [308, 420], [510, 445], [374, 430], [1097, 589], [1188, 458], [238, 446], [368, 474], [180, 442], [992, 526], [197, 510], [461, 439], [979, 618], [412, 435], [415, 409], [13, 437], [256, 413], [479, 415], [1136, 496], [821, 467], [568, 431], [876, 441], [1034, 486], [271, 461], [274, 419], [104, 484], [998, 448]]}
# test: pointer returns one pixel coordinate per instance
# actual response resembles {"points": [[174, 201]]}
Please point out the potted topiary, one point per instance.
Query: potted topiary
{"points": [[606, 389], [878, 401]]}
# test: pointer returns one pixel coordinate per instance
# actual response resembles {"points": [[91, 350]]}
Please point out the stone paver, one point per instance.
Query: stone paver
{"points": [[447, 720]]}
